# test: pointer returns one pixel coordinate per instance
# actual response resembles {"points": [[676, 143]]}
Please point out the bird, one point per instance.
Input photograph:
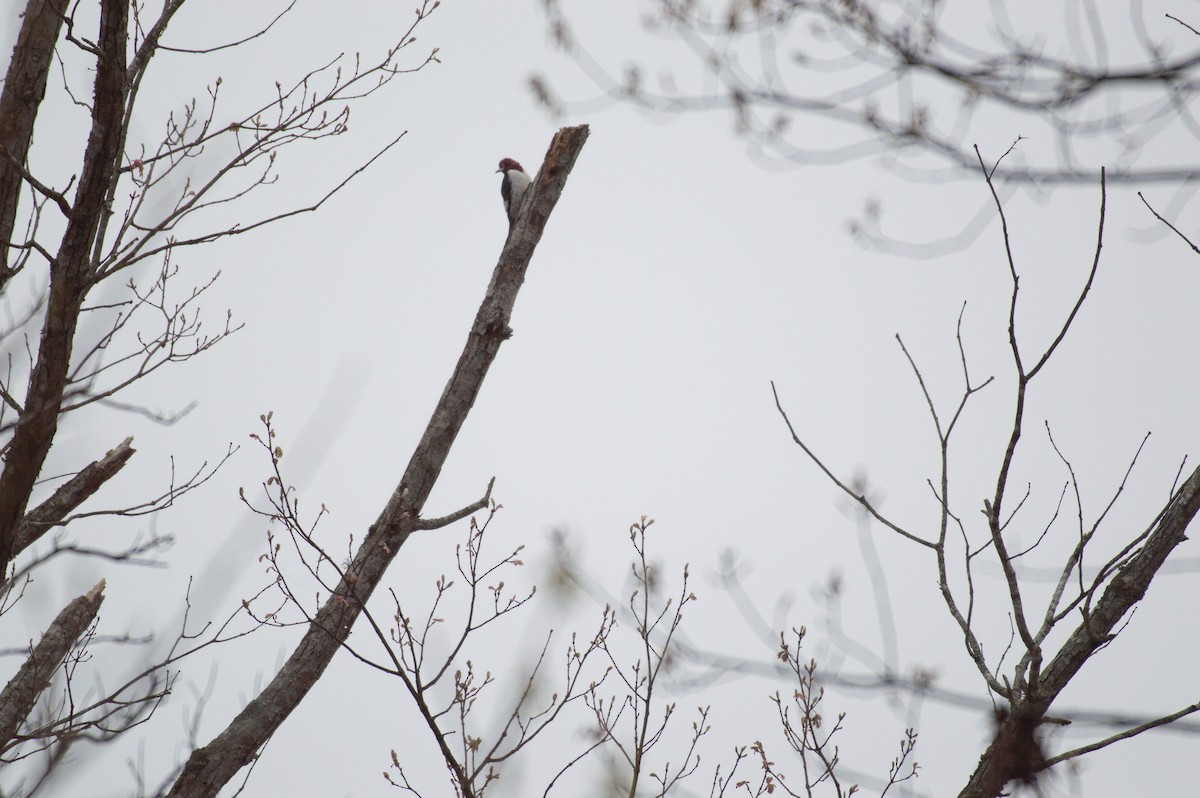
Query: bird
{"points": [[512, 187]]}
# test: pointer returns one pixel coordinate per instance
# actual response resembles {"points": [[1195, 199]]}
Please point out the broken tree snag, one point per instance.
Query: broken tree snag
{"points": [[71, 494], [211, 767], [543, 194], [21, 694], [495, 313]]}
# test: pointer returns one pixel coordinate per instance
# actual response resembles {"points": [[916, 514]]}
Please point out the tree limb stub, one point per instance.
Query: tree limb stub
{"points": [[22, 692], [71, 494]]}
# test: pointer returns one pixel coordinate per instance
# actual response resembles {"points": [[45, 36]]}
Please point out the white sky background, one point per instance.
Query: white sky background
{"points": [[675, 280]]}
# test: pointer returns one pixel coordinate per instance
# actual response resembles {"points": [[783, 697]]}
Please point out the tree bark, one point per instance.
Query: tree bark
{"points": [[70, 278], [211, 767]]}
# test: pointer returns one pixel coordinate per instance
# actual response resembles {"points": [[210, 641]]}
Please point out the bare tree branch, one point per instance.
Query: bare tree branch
{"points": [[1125, 590], [260, 32], [1174, 229], [857, 496], [457, 515], [212, 766], [1124, 735], [905, 81]]}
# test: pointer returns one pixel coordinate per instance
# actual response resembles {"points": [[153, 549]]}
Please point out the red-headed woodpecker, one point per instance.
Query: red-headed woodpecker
{"points": [[512, 187]]}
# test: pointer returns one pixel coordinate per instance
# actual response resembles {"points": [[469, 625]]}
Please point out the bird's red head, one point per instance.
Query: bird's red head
{"points": [[508, 164]]}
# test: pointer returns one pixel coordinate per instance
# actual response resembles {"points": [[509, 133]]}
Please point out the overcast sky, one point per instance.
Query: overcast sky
{"points": [[676, 279]]}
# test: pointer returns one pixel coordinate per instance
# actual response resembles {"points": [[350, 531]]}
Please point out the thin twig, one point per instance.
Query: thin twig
{"points": [[1187, 240]]}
